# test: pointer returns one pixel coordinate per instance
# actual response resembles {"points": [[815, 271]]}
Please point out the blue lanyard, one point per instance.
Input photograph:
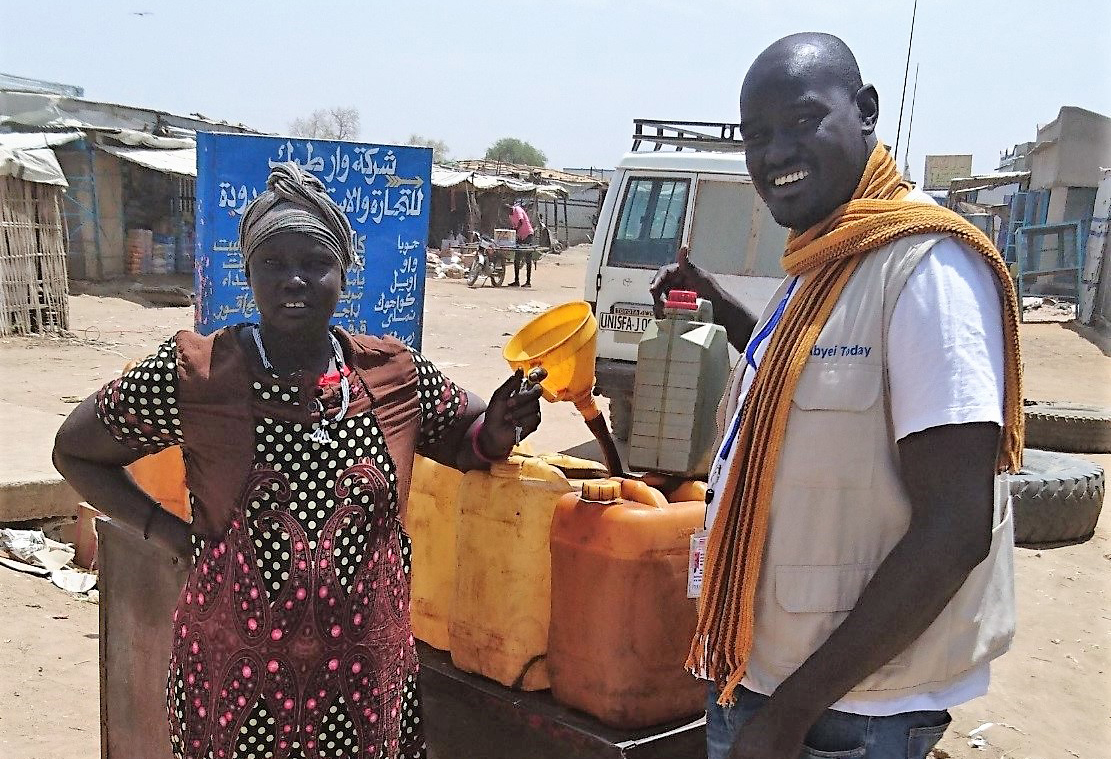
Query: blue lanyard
{"points": [[750, 357], [728, 444], [763, 334]]}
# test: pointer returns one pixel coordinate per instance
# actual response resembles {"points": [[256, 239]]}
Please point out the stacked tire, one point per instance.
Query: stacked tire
{"points": [[1057, 497], [1069, 427]]}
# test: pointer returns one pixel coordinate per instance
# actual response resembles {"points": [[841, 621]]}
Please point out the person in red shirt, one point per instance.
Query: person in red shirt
{"points": [[519, 220]]}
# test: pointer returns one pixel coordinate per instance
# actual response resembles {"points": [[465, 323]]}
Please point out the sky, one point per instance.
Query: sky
{"points": [[567, 76]]}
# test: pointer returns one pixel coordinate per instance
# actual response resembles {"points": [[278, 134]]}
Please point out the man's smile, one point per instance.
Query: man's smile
{"points": [[786, 179]]}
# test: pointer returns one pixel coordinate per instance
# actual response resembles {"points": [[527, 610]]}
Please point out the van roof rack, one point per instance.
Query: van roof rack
{"points": [[696, 135]]}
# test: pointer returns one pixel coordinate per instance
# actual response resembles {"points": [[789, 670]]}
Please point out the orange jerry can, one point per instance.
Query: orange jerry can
{"points": [[622, 624], [162, 476]]}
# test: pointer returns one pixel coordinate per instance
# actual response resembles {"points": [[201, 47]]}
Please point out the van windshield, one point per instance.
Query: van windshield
{"points": [[651, 223]]}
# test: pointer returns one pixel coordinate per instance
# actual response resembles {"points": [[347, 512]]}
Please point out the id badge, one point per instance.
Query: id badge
{"points": [[696, 563]]}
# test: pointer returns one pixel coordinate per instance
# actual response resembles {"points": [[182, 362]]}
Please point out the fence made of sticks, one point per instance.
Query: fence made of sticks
{"points": [[34, 291]]}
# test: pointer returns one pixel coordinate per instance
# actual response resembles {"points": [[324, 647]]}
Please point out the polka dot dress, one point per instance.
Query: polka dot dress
{"points": [[139, 408], [292, 637]]}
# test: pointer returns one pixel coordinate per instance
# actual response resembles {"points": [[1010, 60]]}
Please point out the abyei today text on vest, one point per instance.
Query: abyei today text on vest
{"points": [[835, 351]]}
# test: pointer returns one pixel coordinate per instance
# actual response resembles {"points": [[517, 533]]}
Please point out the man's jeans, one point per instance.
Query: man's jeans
{"points": [[836, 734]]}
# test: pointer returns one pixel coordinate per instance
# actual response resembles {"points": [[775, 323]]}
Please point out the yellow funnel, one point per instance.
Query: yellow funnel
{"points": [[561, 340]]}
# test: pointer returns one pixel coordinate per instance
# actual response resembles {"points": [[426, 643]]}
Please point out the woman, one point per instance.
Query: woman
{"points": [[291, 636]]}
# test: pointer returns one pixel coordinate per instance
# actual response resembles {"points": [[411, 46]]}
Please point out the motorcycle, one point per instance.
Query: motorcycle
{"points": [[489, 261]]}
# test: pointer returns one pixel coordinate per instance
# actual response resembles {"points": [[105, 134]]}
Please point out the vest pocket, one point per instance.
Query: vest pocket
{"points": [[814, 601], [982, 613], [832, 432], [838, 387]]}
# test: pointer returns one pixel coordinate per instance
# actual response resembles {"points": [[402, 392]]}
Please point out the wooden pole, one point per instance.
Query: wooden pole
{"points": [[566, 222]]}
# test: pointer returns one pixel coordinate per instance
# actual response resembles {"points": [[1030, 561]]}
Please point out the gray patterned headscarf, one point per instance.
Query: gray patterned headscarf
{"points": [[296, 201]]}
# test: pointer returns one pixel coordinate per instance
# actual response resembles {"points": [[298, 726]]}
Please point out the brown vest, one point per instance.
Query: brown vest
{"points": [[214, 402]]}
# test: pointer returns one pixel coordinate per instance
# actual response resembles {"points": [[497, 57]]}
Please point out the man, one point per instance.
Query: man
{"points": [[858, 578], [519, 220]]}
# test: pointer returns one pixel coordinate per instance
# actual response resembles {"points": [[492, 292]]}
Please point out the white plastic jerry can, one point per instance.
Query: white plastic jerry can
{"points": [[681, 372]]}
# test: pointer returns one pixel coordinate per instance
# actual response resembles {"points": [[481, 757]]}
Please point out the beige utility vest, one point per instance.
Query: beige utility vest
{"points": [[840, 506]]}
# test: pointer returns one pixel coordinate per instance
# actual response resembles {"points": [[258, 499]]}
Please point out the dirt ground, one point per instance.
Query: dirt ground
{"points": [[1050, 696]]}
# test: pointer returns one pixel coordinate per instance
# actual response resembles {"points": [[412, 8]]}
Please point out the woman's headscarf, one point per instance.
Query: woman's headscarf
{"points": [[296, 201]]}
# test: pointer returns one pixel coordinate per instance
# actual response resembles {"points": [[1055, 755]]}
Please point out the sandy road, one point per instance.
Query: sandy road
{"points": [[1050, 696]]}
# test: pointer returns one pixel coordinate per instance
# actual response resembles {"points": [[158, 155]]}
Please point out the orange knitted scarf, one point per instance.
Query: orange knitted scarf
{"points": [[828, 253]]}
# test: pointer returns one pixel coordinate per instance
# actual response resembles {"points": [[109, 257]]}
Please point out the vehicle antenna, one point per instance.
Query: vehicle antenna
{"points": [[906, 74]]}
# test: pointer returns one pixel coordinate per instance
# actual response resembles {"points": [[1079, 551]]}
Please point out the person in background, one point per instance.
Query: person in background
{"points": [[859, 574], [519, 221], [291, 636]]}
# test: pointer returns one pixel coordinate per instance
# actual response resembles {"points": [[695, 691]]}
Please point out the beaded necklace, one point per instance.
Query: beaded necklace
{"points": [[319, 434]]}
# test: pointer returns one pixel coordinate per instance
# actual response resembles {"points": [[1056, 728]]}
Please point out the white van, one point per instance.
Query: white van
{"points": [[691, 188]]}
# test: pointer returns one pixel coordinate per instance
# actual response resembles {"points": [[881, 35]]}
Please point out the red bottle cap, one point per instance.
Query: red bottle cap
{"points": [[682, 299]]}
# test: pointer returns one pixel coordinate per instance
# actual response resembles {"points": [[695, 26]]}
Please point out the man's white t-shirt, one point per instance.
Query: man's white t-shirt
{"points": [[945, 366]]}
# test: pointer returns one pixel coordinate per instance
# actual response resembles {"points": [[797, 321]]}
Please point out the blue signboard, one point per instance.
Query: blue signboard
{"points": [[385, 192]]}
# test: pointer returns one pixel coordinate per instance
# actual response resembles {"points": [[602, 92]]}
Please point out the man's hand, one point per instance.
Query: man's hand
{"points": [[682, 275], [770, 734], [510, 408]]}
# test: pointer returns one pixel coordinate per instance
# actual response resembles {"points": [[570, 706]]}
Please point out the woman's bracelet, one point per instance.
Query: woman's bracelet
{"points": [[476, 428]]}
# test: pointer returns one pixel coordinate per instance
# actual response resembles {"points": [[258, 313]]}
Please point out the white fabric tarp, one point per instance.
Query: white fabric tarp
{"points": [[39, 110], [182, 161], [34, 140], [444, 177], [551, 191], [29, 157], [490, 182], [447, 178], [146, 140], [34, 109]]}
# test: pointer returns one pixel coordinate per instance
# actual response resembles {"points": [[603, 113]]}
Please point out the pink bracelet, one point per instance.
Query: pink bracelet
{"points": [[476, 428]]}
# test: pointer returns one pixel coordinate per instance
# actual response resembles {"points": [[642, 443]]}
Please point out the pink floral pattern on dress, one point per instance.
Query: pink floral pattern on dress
{"points": [[292, 636]]}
